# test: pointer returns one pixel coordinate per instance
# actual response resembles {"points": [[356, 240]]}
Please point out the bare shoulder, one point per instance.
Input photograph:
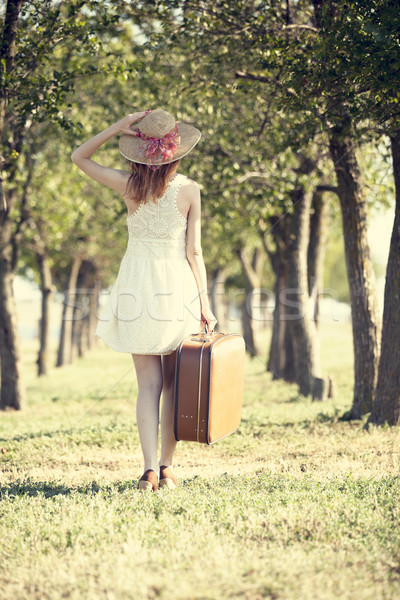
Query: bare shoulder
{"points": [[188, 196], [124, 176], [190, 190]]}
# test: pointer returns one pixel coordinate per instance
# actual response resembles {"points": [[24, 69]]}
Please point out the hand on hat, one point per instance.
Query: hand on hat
{"points": [[125, 123]]}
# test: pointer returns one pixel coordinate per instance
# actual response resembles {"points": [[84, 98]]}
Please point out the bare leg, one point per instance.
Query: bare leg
{"points": [[150, 381], [168, 441]]}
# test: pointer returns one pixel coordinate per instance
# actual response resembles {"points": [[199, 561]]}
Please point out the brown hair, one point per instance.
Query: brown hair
{"points": [[144, 183]]}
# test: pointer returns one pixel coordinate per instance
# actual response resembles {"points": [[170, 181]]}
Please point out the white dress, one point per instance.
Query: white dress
{"points": [[154, 303]]}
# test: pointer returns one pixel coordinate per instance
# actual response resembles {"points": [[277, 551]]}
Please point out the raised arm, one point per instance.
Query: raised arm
{"points": [[112, 178], [194, 251]]}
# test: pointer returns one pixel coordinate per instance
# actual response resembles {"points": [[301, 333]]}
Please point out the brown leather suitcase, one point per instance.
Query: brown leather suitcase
{"points": [[209, 381]]}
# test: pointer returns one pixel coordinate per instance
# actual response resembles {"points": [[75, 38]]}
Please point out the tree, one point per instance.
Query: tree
{"points": [[360, 54], [387, 402], [12, 388], [369, 70], [38, 44], [361, 278]]}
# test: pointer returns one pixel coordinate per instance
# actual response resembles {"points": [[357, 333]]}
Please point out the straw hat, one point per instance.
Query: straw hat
{"points": [[159, 139]]}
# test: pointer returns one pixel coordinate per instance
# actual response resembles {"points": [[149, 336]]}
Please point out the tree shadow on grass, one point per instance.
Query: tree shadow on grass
{"points": [[319, 418], [293, 399], [48, 489], [72, 431], [42, 434]]}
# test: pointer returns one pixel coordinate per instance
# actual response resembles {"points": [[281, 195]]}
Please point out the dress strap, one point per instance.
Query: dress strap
{"points": [[178, 181]]}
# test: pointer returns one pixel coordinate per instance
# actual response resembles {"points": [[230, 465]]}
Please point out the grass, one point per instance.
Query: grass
{"points": [[296, 505]]}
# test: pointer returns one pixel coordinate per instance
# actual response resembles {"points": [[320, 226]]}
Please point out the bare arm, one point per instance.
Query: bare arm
{"points": [[194, 251], [112, 178]]}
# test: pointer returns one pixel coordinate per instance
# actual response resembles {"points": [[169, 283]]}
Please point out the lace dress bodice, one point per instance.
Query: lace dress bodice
{"points": [[158, 229]]}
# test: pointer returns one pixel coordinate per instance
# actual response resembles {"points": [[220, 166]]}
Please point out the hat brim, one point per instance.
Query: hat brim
{"points": [[130, 145]]}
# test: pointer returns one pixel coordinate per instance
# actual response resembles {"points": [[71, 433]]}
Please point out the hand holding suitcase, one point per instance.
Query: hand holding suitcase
{"points": [[209, 381]]}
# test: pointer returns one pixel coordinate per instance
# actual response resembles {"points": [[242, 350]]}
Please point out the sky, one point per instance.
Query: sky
{"points": [[379, 232]]}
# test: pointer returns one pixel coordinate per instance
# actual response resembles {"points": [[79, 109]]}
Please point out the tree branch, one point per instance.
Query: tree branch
{"points": [[273, 255], [307, 27], [3, 201], [327, 188], [246, 75], [7, 47], [8, 50], [252, 174], [247, 267]]}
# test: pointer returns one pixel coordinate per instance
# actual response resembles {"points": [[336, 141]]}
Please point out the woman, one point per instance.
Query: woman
{"points": [[160, 294]]}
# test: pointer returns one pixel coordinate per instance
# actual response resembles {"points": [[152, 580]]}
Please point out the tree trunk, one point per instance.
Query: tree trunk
{"points": [[288, 365], [247, 329], [78, 337], [320, 388], [46, 287], [281, 358], [8, 50], [12, 386], [302, 328], [64, 346], [81, 309], [252, 281], [387, 401], [316, 247], [94, 306], [217, 296], [276, 352], [359, 268], [79, 314]]}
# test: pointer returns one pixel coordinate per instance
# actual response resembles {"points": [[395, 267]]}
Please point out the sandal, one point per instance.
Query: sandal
{"points": [[148, 481], [167, 478]]}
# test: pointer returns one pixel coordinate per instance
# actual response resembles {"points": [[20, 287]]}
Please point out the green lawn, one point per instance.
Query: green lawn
{"points": [[296, 505]]}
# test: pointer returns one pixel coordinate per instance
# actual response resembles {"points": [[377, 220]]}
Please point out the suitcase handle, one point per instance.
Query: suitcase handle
{"points": [[206, 333]]}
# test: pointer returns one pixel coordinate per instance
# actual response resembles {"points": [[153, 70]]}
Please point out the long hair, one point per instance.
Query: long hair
{"points": [[144, 183]]}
